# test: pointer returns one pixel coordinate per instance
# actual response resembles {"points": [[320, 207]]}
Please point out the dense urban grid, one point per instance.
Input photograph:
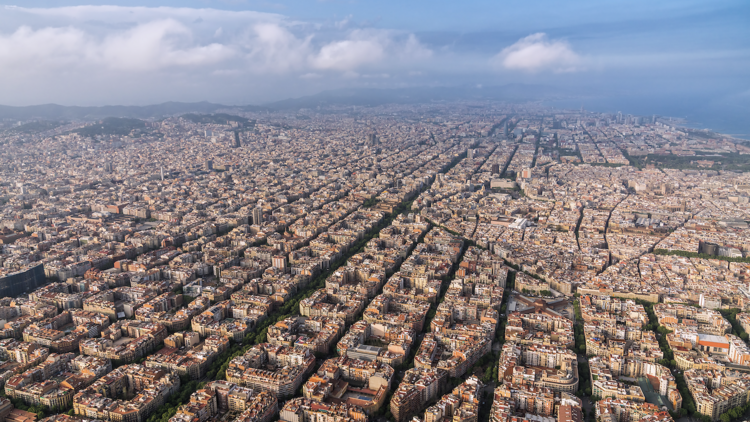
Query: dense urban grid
{"points": [[463, 261]]}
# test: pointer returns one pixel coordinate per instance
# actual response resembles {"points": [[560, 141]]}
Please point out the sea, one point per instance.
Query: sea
{"points": [[727, 118]]}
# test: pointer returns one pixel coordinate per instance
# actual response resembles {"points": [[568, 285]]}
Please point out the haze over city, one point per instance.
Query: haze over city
{"points": [[671, 58], [347, 211]]}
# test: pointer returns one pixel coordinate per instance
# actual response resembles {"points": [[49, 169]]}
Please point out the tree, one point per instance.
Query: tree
{"points": [[487, 375], [261, 336], [690, 407]]}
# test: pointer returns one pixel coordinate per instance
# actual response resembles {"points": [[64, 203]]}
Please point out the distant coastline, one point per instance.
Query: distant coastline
{"points": [[726, 120]]}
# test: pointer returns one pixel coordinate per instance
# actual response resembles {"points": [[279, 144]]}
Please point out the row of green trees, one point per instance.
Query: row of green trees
{"points": [[545, 293], [687, 254], [584, 374], [688, 403], [170, 408], [217, 370], [40, 411], [510, 283], [584, 380], [370, 202], [731, 316]]}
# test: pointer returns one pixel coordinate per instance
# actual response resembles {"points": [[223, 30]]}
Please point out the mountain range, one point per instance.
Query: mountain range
{"points": [[340, 97]]}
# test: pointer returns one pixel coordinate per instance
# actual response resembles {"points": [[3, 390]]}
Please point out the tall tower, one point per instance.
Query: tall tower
{"points": [[257, 215], [162, 173]]}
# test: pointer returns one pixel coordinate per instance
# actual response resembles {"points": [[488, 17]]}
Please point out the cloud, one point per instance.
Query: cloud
{"points": [[151, 46], [347, 55], [536, 53], [139, 39], [343, 23], [414, 50], [272, 48], [157, 45], [369, 47], [32, 50]]}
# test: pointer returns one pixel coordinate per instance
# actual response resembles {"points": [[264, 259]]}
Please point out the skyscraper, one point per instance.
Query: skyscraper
{"points": [[236, 143], [257, 215]]}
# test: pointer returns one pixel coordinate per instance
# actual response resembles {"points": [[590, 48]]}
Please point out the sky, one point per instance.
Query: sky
{"points": [[256, 51]]}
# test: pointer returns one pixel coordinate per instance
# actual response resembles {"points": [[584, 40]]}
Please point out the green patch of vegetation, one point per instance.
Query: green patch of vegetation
{"points": [[733, 414], [169, 409], [606, 164], [371, 202], [111, 126], [217, 118], [688, 403], [584, 380], [687, 398], [36, 127], [40, 411], [580, 339], [722, 161], [731, 316], [703, 134], [686, 254], [490, 363], [565, 152]]}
